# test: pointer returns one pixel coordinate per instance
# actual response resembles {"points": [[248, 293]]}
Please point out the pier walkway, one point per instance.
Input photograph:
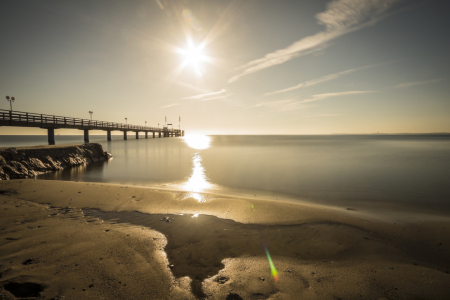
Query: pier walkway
{"points": [[51, 122]]}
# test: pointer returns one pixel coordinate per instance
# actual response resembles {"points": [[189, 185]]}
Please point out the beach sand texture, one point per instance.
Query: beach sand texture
{"points": [[75, 240]]}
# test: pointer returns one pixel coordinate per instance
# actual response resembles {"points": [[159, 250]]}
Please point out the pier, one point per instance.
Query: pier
{"points": [[51, 122]]}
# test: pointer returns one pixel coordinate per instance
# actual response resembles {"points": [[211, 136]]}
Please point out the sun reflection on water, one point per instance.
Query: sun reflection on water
{"points": [[197, 182]]}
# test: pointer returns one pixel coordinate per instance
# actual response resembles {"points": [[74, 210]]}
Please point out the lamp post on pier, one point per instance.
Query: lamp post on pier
{"points": [[126, 121], [91, 112], [11, 100]]}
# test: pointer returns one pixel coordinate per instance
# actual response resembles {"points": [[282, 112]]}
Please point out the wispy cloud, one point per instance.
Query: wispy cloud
{"points": [[170, 105], [207, 95], [329, 95], [211, 96], [409, 84], [218, 97], [289, 105], [319, 80], [326, 115], [271, 104], [340, 17], [281, 105]]}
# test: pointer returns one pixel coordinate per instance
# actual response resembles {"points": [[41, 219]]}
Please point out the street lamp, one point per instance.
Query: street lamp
{"points": [[145, 123], [158, 125], [126, 121], [10, 101], [91, 112]]}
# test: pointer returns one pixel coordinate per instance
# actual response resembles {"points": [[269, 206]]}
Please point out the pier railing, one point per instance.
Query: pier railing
{"points": [[26, 119]]}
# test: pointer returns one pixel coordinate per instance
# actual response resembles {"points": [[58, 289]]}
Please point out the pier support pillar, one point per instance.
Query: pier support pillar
{"points": [[153, 134], [182, 133], [108, 135], [146, 134], [86, 136], [137, 135], [51, 136], [159, 134], [124, 135]]}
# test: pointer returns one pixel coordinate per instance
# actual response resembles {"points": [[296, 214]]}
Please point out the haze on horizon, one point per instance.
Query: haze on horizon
{"points": [[231, 67]]}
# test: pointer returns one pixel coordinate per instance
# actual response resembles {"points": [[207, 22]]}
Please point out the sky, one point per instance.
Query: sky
{"points": [[231, 67]]}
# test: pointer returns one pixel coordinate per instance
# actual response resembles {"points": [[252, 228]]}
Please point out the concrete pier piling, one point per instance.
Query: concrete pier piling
{"points": [[51, 136], [137, 135], [108, 135], [124, 135], [86, 136]]}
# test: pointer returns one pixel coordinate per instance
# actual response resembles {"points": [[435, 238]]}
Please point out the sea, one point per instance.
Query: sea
{"points": [[366, 172]]}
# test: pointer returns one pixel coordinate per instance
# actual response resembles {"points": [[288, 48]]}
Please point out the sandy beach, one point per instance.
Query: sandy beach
{"points": [[77, 240]]}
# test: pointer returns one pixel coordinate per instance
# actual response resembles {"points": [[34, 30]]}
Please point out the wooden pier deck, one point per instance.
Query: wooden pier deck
{"points": [[52, 122]]}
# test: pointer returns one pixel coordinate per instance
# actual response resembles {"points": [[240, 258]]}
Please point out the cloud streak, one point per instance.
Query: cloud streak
{"points": [[329, 95], [170, 105], [340, 17], [211, 96], [288, 105], [319, 80], [409, 84], [271, 104], [326, 115], [207, 95], [281, 105]]}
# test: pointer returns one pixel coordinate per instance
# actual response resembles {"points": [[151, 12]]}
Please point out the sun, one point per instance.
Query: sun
{"points": [[194, 56]]}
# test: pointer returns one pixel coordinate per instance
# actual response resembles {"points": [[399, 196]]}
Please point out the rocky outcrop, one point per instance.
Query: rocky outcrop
{"points": [[30, 161]]}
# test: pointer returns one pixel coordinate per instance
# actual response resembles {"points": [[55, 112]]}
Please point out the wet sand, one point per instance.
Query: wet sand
{"points": [[102, 241]]}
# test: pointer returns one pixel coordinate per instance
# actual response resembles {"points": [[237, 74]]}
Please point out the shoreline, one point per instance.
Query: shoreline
{"points": [[380, 211], [320, 252]]}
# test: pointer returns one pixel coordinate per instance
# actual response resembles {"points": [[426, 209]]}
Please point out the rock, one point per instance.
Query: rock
{"points": [[30, 261], [29, 162], [2, 161]]}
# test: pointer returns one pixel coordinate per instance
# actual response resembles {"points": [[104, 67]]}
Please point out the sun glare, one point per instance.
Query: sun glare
{"points": [[194, 56], [197, 141]]}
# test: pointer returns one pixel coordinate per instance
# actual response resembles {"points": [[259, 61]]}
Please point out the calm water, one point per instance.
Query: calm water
{"points": [[341, 170]]}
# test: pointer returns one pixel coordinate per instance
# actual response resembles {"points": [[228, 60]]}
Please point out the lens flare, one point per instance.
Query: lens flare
{"points": [[273, 270]]}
